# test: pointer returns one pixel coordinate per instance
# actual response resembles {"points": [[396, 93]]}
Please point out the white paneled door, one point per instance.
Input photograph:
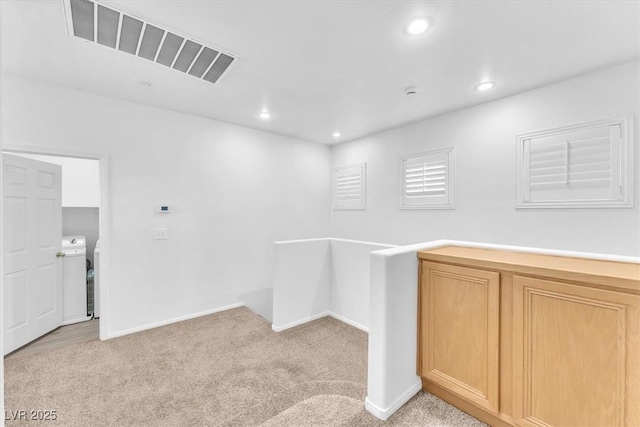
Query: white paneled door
{"points": [[32, 239]]}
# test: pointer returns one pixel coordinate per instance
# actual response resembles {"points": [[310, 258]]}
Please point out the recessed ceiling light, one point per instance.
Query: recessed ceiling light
{"points": [[264, 115], [417, 26], [336, 134], [485, 86]]}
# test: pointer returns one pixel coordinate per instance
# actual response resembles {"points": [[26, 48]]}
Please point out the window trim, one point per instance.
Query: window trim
{"points": [[626, 167], [363, 187], [449, 180]]}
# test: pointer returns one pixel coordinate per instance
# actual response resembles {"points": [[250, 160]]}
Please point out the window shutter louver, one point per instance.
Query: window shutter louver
{"points": [[349, 187], [426, 180], [580, 166]]}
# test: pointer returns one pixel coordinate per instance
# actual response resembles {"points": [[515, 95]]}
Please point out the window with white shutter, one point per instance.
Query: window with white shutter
{"points": [[580, 166], [427, 180], [349, 187]]}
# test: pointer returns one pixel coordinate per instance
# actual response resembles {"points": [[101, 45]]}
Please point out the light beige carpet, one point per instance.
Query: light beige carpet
{"points": [[227, 369]]}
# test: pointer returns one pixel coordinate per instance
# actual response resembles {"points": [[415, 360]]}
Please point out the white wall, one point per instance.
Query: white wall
{"points": [[233, 191], [301, 282], [80, 179], [485, 191], [2, 231], [350, 281], [314, 278], [393, 301]]}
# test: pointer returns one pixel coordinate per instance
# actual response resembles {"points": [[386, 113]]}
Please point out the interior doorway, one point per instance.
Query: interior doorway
{"points": [[83, 228]]}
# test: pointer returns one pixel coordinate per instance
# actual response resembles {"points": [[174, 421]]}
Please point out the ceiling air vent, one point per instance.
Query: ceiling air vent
{"points": [[96, 23]]}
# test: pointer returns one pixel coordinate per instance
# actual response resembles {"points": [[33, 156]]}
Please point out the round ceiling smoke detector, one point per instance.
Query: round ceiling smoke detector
{"points": [[411, 91]]}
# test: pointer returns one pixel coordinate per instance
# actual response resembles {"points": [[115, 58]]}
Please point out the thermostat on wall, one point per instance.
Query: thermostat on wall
{"points": [[164, 209]]}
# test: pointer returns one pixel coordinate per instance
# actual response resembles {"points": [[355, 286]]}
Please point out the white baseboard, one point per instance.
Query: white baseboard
{"points": [[280, 328], [170, 321], [349, 322], [384, 414]]}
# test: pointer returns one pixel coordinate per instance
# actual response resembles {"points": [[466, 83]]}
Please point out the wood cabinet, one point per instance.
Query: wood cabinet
{"points": [[531, 340], [576, 351], [460, 329]]}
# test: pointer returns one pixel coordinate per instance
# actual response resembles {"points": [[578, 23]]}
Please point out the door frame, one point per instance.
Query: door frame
{"points": [[103, 216]]}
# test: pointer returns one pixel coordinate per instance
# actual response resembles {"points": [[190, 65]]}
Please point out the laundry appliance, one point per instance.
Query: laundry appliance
{"points": [[74, 280]]}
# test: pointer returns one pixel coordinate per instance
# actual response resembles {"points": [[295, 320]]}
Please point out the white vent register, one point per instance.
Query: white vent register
{"points": [[94, 22]]}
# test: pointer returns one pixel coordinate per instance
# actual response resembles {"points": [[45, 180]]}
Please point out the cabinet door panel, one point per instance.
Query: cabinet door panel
{"points": [[575, 355], [460, 331]]}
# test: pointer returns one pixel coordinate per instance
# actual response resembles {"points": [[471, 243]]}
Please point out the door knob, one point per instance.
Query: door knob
{"points": [[60, 255]]}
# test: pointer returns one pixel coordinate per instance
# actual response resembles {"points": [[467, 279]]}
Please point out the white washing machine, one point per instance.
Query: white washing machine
{"points": [[96, 280], [74, 280]]}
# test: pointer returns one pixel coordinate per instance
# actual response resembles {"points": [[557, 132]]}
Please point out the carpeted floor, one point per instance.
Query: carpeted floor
{"points": [[226, 369]]}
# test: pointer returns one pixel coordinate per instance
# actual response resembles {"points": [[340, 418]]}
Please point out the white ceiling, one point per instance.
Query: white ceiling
{"points": [[322, 66]]}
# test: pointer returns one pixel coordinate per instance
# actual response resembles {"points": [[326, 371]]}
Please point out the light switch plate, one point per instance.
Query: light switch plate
{"points": [[160, 233]]}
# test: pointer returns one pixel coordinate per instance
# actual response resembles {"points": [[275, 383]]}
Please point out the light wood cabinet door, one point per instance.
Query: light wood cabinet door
{"points": [[576, 355], [459, 328]]}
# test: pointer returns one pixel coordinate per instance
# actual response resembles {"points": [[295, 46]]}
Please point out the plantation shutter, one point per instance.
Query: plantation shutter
{"points": [[349, 187], [574, 167], [426, 180]]}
